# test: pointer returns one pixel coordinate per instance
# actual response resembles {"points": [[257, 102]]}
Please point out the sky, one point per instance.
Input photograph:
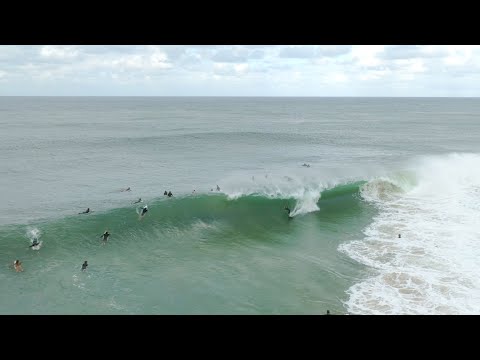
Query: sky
{"points": [[240, 70]]}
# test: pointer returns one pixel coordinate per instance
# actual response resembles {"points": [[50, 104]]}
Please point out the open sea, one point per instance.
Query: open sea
{"points": [[354, 172]]}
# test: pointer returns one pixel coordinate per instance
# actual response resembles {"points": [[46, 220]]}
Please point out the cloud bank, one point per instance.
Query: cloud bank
{"points": [[255, 70]]}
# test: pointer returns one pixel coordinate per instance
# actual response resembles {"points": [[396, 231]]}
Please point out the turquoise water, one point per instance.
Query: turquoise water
{"points": [[378, 167]]}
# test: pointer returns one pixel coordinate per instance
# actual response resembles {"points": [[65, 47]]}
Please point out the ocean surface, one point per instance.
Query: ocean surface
{"points": [[377, 168]]}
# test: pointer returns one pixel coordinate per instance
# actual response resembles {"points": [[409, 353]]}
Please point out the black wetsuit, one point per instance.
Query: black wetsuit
{"points": [[84, 266], [144, 211], [105, 236], [35, 243]]}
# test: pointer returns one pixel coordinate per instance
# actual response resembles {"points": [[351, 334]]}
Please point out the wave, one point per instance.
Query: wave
{"points": [[261, 210]]}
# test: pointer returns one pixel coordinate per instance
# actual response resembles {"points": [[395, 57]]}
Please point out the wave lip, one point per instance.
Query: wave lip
{"points": [[305, 192]]}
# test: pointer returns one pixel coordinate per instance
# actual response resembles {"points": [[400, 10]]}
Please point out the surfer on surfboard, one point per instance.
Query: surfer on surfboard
{"points": [[287, 209], [35, 243]]}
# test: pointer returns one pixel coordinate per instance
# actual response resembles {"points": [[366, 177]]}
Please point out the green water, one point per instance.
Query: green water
{"points": [[233, 251]]}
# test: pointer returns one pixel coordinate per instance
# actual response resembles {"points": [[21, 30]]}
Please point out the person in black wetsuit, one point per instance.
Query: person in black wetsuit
{"points": [[105, 236], [35, 243]]}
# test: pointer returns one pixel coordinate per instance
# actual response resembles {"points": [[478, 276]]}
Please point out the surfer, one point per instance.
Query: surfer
{"points": [[287, 209], [165, 193], [127, 189], [105, 236], [18, 266], [138, 201], [86, 211], [144, 210], [399, 236], [84, 265], [328, 312], [35, 243], [218, 188], [170, 194], [306, 165]]}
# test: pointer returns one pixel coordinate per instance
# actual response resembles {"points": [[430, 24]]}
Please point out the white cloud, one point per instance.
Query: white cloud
{"points": [[59, 52], [240, 68], [298, 51], [402, 52], [374, 74], [367, 55], [313, 51], [156, 60], [334, 50], [459, 54], [410, 65], [228, 56], [336, 77], [364, 70], [228, 69]]}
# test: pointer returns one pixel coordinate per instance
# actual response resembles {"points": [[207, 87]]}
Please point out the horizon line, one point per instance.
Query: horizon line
{"points": [[242, 96]]}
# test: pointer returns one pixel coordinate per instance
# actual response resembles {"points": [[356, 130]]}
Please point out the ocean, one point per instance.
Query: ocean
{"points": [[355, 173]]}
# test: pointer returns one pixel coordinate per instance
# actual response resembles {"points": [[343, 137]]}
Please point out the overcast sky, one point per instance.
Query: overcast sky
{"points": [[241, 70]]}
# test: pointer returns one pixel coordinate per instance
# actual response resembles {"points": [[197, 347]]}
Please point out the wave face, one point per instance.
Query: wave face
{"points": [[257, 208], [433, 268]]}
